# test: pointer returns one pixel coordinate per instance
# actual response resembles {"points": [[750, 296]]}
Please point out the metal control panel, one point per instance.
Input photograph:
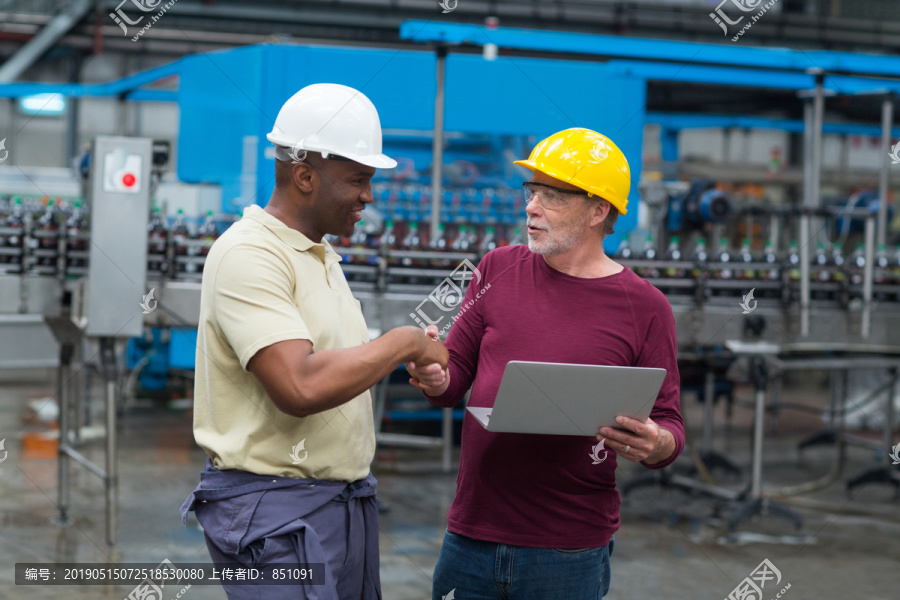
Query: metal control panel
{"points": [[119, 206]]}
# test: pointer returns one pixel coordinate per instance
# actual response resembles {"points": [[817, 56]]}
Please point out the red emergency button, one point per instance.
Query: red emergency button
{"points": [[128, 179]]}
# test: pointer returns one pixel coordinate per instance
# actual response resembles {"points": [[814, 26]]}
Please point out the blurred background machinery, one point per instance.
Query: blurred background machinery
{"points": [[760, 203]]}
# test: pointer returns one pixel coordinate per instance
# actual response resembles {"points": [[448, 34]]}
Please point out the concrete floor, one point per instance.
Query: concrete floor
{"points": [[671, 545]]}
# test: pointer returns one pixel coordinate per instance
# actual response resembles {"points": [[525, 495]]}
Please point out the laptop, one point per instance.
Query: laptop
{"points": [[567, 399]]}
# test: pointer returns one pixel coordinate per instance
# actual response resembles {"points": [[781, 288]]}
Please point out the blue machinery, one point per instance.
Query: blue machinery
{"points": [[445, 112]]}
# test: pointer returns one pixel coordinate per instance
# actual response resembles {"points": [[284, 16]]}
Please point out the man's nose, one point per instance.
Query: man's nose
{"points": [[533, 208], [366, 195]]}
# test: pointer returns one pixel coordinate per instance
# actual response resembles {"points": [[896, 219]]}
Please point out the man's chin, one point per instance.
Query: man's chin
{"points": [[342, 230], [543, 249]]}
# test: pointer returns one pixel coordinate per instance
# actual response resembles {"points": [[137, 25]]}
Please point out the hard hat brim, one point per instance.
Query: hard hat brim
{"points": [[532, 166], [379, 161]]}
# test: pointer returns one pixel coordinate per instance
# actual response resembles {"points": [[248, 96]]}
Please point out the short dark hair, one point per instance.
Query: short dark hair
{"points": [[611, 219]]}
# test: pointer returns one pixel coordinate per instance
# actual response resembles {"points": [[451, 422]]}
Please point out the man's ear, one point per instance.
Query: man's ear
{"points": [[304, 177], [600, 212]]}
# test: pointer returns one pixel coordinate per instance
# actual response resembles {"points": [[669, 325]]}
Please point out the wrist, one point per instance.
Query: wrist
{"points": [[409, 340], [664, 448]]}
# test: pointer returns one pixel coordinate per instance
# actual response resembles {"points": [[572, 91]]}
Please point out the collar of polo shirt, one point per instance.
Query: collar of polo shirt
{"points": [[289, 236]]}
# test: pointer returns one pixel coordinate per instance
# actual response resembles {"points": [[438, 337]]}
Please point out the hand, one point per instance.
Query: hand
{"points": [[644, 440], [429, 348], [431, 378]]}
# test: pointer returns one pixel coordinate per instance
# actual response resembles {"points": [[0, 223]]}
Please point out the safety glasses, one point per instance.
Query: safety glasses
{"points": [[548, 196]]}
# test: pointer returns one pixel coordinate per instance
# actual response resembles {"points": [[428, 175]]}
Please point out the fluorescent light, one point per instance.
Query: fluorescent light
{"points": [[45, 105]]}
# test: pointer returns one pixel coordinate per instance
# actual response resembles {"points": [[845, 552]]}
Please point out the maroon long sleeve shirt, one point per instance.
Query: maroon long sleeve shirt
{"points": [[545, 491]]}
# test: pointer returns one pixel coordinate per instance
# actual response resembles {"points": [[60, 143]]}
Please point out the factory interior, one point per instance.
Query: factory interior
{"points": [[761, 138]]}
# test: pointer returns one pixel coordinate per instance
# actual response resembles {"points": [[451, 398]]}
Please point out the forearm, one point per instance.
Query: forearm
{"points": [[333, 377]]}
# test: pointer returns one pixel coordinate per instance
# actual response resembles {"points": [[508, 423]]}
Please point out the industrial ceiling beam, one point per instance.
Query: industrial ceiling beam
{"points": [[646, 49], [57, 27]]}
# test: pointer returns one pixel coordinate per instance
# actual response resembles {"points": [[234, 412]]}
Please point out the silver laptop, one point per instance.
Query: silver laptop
{"points": [[565, 399]]}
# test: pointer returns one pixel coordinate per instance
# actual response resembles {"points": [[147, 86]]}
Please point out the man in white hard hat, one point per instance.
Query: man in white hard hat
{"points": [[284, 367]]}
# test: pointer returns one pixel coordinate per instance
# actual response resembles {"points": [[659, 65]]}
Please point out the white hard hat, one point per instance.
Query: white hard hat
{"points": [[331, 119]]}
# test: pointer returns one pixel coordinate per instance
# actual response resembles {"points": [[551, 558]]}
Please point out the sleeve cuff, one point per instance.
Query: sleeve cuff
{"points": [[679, 446], [267, 341]]}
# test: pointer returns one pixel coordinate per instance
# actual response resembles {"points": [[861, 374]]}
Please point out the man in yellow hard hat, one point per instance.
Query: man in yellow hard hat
{"points": [[534, 515]]}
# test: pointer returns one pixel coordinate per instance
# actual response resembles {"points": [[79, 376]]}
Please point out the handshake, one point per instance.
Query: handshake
{"points": [[428, 368]]}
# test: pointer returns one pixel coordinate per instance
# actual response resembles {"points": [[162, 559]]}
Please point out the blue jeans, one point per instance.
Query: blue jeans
{"points": [[479, 570]]}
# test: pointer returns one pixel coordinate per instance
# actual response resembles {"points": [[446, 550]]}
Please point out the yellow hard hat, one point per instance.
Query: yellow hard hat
{"points": [[586, 159]]}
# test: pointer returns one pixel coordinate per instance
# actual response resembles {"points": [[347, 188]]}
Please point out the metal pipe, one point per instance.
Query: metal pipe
{"points": [[867, 276], [112, 483], [437, 145], [887, 118], [447, 449], [842, 422], [889, 419], [833, 399], [709, 391], [774, 233], [72, 113], [804, 219], [818, 117], [758, 426], [62, 466], [84, 461]]}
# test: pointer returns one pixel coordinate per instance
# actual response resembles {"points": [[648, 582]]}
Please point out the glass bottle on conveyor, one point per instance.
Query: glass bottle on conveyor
{"points": [[411, 243], [180, 235], [820, 272], [793, 271], [838, 267], [15, 223], [157, 242], [894, 274], [772, 272], [746, 257], [388, 240], [47, 233], [463, 242], [723, 270], [439, 244], [881, 273], [208, 233], [488, 242], [76, 237], [856, 269], [673, 254], [699, 258], [387, 245], [648, 254], [358, 241], [518, 238]]}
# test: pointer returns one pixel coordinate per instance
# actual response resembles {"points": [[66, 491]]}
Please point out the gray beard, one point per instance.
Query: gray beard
{"points": [[556, 243]]}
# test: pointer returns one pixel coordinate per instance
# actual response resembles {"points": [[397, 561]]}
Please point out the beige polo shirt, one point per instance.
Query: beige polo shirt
{"points": [[263, 283]]}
